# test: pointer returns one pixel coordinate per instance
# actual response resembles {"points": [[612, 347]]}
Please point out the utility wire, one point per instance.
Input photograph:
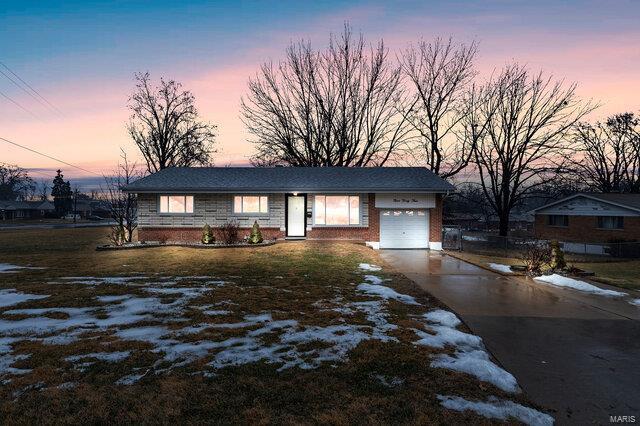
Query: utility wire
{"points": [[23, 89], [48, 156], [19, 106], [31, 88]]}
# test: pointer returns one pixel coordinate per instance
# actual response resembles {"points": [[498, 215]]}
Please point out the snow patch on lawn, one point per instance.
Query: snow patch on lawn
{"points": [[470, 356], [101, 356], [369, 267], [500, 268], [10, 297], [442, 317], [478, 364], [635, 302], [386, 293], [561, 281], [6, 268], [495, 408]]}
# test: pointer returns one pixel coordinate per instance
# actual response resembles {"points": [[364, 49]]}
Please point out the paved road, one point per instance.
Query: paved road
{"points": [[576, 355]]}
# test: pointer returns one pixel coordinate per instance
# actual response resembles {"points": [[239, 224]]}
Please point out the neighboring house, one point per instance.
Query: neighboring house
{"points": [[387, 207], [25, 209], [590, 218], [86, 208]]}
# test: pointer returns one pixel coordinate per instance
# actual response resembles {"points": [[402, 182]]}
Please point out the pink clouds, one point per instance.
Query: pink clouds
{"points": [[93, 126]]}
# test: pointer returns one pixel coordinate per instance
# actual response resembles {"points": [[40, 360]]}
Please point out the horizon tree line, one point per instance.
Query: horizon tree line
{"points": [[356, 104]]}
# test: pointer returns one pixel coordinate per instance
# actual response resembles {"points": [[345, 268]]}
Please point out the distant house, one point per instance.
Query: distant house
{"points": [[10, 210], [590, 218], [387, 207]]}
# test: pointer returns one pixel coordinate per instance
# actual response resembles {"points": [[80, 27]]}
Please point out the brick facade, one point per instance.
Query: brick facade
{"points": [[435, 221], [212, 208], [584, 229]]}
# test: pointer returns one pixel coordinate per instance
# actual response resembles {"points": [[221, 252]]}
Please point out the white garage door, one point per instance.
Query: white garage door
{"points": [[404, 229]]}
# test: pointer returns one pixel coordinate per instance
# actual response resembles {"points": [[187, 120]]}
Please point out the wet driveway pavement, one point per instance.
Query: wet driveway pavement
{"points": [[576, 355]]}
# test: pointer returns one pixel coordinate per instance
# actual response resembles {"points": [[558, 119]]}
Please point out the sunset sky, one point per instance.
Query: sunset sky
{"points": [[81, 56]]}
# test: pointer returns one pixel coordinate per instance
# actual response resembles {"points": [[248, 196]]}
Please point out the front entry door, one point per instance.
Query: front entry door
{"points": [[296, 216]]}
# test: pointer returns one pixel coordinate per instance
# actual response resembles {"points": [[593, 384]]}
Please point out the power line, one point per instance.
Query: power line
{"points": [[23, 89], [48, 156], [19, 106], [32, 89]]}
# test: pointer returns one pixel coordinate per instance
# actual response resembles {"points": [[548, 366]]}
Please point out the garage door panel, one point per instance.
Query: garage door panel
{"points": [[404, 229]]}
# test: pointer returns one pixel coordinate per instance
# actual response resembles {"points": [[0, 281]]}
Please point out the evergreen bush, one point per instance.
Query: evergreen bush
{"points": [[256, 235], [207, 234]]}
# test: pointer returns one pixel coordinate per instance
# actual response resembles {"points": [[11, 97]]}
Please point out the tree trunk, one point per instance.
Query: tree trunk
{"points": [[504, 224]]}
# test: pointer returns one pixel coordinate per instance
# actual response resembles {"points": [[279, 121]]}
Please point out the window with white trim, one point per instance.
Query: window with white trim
{"points": [[250, 204], [179, 204], [336, 210]]}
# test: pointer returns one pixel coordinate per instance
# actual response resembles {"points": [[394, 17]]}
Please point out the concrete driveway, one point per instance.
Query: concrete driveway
{"points": [[576, 355]]}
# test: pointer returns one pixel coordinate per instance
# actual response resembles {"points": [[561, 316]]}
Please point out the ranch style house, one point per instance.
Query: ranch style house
{"points": [[385, 207]]}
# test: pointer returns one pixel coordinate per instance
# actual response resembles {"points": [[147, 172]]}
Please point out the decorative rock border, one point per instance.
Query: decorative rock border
{"points": [[132, 246]]}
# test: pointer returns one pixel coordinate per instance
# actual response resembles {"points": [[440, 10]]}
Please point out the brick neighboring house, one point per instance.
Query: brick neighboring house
{"points": [[590, 218], [386, 207]]}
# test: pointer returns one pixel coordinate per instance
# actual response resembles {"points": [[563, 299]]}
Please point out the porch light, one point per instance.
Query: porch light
{"points": [[295, 194]]}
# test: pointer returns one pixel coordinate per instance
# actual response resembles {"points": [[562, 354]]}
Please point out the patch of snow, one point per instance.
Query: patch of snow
{"points": [[495, 408], [470, 356], [67, 385], [109, 299], [478, 364], [130, 379], [635, 302], [7, 359], [215, 312], [561, 281], [6, 268], [101, 356], [442, 317], [10, 297], [369, 267], [447, 336], [374, 279], [500, 268], [386, 293]]}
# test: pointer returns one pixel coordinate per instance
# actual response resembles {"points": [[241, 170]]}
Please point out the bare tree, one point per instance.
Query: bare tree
{"points": [[335, 107], [42, 191], [15, 183], [123, 206], [440, 73], [610, 160], [524, 144], [165, 125]]}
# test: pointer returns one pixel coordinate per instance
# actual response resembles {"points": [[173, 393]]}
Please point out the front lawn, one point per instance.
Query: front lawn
{"points": [[292, 333]]}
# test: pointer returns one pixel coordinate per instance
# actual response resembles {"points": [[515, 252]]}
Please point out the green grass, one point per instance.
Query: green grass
{"points": [[289, 280]]}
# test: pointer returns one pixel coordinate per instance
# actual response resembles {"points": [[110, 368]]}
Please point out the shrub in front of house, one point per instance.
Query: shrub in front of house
{"points": [[256, 236], [535, 256], [557, 256], [207, 234], [229, 232]]}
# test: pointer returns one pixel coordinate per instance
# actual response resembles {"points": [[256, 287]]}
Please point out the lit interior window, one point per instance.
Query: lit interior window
{"points": [[176, 204], [250, 204], [337, 210]]}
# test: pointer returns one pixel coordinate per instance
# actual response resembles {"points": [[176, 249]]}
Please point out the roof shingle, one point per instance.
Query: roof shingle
{"points": [[290, 179]]}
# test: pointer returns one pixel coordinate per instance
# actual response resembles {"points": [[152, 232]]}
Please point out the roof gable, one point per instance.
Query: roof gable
{"points": [[291, 179], [589, 205]]}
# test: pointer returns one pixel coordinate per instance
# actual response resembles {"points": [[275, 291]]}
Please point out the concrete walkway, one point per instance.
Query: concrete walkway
{"points": [[576, 355]]}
